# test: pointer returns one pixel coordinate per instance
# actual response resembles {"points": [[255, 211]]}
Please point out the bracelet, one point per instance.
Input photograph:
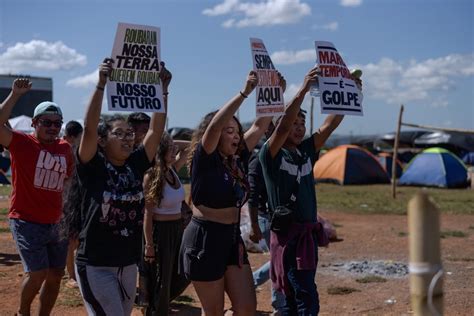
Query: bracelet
{"points": [[166, 93], [243, 95], [99, 88]]}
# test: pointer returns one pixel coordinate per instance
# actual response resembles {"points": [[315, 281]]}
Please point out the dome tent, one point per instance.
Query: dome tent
{"points": [[349, 164], [436, 167]]}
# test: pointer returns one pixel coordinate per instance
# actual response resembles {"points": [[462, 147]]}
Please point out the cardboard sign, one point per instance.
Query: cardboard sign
{"points": [[134, 84], [269, 93], [338, 91]]}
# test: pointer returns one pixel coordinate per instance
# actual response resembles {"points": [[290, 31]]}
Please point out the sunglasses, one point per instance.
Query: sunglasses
{"points": [[49, 123]]}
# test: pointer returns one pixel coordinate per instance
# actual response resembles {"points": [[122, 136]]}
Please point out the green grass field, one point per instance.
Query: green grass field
{"points": [[377, 199]]}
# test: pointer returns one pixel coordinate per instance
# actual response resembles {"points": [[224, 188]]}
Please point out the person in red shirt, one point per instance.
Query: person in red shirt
{"points": [[41, 163]]}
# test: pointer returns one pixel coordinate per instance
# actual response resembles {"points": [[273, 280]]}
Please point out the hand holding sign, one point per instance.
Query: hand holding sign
{"points": [[251, 83], [104, 71], [311, 78], [165, 76], [282, 81]]}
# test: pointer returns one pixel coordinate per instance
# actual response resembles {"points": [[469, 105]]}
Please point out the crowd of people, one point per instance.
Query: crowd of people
{"points": [[106, 203]]}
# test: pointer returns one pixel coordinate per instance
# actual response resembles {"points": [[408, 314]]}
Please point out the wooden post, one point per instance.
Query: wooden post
{"points": [[311, 112], [425, 261], [395, 154]]}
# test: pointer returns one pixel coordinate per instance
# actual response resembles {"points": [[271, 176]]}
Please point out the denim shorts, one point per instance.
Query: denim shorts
{"points": [[39, 245]]}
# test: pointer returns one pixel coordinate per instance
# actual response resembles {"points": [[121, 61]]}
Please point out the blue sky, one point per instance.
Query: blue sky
{"points": [[419, 53]]}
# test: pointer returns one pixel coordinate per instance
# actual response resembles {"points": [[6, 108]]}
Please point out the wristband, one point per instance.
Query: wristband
{"points": [[99, 88], [243, 95]]}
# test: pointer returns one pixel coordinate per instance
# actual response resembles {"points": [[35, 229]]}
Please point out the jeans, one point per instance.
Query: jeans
{"points": [[262, 274], [304, 300]]}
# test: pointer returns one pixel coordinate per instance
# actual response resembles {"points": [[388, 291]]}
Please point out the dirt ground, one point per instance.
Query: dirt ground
{"points": [[366, 237]]}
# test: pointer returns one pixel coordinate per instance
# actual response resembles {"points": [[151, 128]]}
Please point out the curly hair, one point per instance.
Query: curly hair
{"points": [[154, 193], [199, 133]]}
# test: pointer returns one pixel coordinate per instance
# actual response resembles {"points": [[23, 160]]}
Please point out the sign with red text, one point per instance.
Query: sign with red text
{"points": [[338, 91], [134, 84], [269, 93]]}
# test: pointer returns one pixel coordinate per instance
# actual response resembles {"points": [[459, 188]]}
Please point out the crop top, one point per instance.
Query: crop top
{"points": [[216, 184], [172, 198]]}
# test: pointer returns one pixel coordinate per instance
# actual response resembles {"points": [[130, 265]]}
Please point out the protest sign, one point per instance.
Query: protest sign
{"points": [[338, 91], [134, 84], [269, 93]]}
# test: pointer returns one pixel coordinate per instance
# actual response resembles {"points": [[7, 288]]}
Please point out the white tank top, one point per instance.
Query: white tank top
{"points": [[172, 199]]}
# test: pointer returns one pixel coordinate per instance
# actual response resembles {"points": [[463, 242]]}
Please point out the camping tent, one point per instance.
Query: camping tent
{"points": [[435, 167], [386, 161], [349, 164], [457, 143], [468, 158], [21, 123]]}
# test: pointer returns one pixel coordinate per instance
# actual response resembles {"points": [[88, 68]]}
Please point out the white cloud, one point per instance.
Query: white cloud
{"points": [[84, 81], [223, 8], [332, 26], [293, 57], [351, 3], [40, 55], [403, 82], [291, 91], [267, 12]]}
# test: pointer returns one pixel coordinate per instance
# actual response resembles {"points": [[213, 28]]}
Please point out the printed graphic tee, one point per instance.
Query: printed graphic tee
{"points": [[112, 210], [284, 170], [38, 175]]}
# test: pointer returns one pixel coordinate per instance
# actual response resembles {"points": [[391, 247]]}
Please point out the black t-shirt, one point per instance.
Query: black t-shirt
{"points": [[112, 210], [212, 183]]}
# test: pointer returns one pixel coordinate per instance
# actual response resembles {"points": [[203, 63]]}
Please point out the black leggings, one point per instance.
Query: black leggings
{"points": [[164, 282], [208, 248]]}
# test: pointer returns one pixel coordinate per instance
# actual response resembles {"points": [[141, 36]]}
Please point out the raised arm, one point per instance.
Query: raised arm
{"points": [[88, 144], [158, 120], [282, 130], [213, 132], [19, 87], [322, 134], [260, 125], [183, 150]]}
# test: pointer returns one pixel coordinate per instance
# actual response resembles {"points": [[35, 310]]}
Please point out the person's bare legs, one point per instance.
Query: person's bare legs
{"points": [[240, 288], [49, 291], [29, 288], [73, 243], [211, 296]]}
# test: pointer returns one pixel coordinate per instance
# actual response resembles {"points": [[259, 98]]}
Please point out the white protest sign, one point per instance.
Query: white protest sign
{"points": [[134, 84], [269, 93], [338, 91]]}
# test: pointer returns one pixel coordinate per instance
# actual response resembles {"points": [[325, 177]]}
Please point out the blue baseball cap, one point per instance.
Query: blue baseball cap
{"points": [[47, 107]]}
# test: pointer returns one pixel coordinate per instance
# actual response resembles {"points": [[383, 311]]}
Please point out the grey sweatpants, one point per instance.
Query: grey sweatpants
{"points": [[107, 290]]}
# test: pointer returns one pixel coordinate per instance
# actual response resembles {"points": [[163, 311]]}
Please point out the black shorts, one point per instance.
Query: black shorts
{"points": [[208, 248]]}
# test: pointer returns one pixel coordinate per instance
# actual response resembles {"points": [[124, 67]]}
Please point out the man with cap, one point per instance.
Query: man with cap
{"points": [[41, 162]]}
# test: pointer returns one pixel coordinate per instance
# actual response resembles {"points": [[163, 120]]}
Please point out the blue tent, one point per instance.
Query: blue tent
{"points": [[436, 167], [469, 158]]}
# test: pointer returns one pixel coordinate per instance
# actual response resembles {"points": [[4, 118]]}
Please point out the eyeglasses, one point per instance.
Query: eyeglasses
{"points": [[49, 123], [123, 135]]}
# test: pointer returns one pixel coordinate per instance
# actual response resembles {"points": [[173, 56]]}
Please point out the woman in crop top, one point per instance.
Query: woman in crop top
{"points": [[212, 254], [163, 225]]}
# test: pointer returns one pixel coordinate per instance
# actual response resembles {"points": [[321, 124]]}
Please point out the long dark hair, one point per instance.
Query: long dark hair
{"points": [[199, 133]]}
